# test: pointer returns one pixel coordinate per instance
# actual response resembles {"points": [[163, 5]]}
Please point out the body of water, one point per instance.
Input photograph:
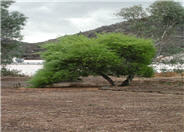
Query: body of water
{"points": [[27, 69], [30, 67]]}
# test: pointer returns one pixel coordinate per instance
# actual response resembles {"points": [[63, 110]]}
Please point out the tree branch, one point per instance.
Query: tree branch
{"points": [[108, 79]]}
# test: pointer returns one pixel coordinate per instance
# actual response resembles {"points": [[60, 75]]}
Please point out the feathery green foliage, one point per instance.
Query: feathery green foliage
{"points": [[109, 54], [137, 53]]}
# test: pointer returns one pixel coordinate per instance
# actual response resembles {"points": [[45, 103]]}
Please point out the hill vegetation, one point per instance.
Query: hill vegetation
{"points": [[162, 22], [175, 41]]}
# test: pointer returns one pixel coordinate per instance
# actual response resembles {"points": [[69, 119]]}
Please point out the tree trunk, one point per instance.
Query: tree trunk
{"points": [[108, 79], [127, 81], [163, 37]]}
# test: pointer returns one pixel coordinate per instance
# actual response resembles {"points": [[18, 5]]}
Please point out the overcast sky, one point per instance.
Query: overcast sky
{"points": [[48, 20]]}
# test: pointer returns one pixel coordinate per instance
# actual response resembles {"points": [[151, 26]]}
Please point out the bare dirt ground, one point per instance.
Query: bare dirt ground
{"points": [[148, 105]]}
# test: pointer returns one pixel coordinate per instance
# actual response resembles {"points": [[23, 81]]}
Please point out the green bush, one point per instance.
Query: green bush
{"points": [[73, 57], [147, 72], [109, 54], [136, 52]]}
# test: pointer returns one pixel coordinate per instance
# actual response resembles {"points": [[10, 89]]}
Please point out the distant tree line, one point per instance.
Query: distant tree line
{"points": [[159, 21]]}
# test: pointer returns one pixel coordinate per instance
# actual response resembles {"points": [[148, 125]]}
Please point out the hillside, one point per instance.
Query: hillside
{"points": [[175, 42]]}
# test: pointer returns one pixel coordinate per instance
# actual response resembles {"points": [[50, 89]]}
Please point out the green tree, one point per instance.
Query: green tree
{"points": [[73, 57], [137, 54], [132, 13], [11, 25], [167, 15], [107, 55], [135, 15], [158, 22]]}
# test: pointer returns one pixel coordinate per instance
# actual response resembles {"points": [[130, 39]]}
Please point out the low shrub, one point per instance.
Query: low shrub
{"points": [[13, 73]]}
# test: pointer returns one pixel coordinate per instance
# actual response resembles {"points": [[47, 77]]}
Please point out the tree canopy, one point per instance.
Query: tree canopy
{"points": [[11, 25], [107, 55], [159, 21]]}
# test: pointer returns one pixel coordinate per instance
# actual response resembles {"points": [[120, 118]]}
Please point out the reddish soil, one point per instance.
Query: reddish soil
{"points": [[148, 105]]}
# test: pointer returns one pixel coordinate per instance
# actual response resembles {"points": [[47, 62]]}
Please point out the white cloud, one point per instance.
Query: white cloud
{"points": [[95, 19], [143, 1], [47, 20], [39, 32], [39, 36], [83, 24], [54, 19], [44, 9]]}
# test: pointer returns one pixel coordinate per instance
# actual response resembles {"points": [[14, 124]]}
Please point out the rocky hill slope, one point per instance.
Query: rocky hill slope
{"points": [[176, 41]]}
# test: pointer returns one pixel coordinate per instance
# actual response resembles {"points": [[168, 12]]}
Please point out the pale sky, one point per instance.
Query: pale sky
{"points": [[48, 20]]}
